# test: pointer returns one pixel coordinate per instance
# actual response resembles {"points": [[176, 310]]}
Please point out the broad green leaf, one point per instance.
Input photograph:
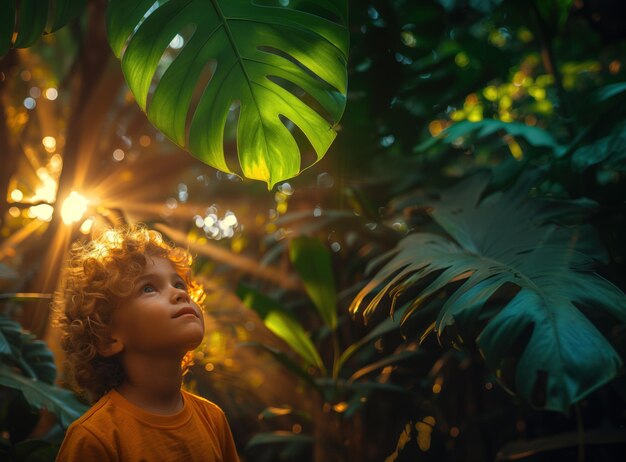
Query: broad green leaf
{"points": [[32, 19], [279, 437], [257, 54], [533, 135], [22, 349], [312, 260], [282, 324], [507, 239], [610, 150], [61, 402]]}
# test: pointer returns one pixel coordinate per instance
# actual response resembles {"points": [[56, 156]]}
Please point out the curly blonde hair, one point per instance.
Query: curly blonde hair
{"points": [[97, 273]]}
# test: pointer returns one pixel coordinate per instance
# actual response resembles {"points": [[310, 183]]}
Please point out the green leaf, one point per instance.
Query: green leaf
{"points": [[534, 135], [312, 260], [35, 17], [22, 349], [609, 150], [279, 437], [259, 55], [61, 402], [508, 240], [282, 324]]}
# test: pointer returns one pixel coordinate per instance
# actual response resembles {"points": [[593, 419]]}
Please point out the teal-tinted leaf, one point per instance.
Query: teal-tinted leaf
{"points": [[260, 56], [10, 336], [60, 402], [484, 6], [22, 349], [533, 135], [35, 18], [609, 150], [508, 239], [40, 359], [282, 324], [279, 437], [312, 260], [607, 92]]}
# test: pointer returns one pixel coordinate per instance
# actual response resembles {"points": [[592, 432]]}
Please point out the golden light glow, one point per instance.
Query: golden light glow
{"points": [[73, 208], [17, 195], [42, 211], [14, 212], [85, 228], [49, 142], [47, 191], [51, 94]]}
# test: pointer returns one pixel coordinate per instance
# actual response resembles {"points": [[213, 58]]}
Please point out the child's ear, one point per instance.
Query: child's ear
{"points": [[111, 348]]}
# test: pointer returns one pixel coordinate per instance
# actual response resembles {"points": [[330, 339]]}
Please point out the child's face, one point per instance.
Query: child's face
{"points": [[158, 316]]}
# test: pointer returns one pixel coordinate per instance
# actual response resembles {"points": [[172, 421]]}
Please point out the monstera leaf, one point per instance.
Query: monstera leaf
{"points": [[262, 55], [502, 241], [28, 19]]}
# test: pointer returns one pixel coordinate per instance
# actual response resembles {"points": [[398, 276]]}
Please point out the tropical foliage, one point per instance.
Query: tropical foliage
{"points": [[27, 375], [475, 192]]}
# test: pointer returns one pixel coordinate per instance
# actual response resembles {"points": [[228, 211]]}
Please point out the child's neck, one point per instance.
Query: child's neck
{"points": [[153, 383]]}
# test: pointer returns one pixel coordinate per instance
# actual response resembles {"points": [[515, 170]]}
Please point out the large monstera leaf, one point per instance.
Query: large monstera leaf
{"points": [[29, 19], [269, 56], [502, 241]]}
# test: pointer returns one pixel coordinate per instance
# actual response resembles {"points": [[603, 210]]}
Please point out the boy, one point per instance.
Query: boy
{"points": [[128, 318]]}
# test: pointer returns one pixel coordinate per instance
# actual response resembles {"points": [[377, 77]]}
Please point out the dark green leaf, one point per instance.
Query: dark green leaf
{"points": [[61, 402], [510, 239], [278, 437], [534, 135], [35, 18], [312, 260]]}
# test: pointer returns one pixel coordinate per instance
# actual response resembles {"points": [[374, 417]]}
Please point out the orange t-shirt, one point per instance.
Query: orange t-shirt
{"points": [[114, 429]]}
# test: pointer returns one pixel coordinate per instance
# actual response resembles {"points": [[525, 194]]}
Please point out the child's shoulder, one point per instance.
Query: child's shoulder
{"points": [[95, 414], [204, 406], [199, 401]]}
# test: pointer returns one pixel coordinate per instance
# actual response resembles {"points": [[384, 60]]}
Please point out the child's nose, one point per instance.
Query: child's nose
{"points": [[181, 296]]}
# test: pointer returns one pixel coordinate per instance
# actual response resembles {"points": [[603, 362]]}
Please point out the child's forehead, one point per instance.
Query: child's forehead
{"points": [[159, 266]]}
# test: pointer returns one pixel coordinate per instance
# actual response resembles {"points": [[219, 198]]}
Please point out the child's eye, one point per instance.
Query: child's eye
{"points": [[180, 285], [148, 288]]}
